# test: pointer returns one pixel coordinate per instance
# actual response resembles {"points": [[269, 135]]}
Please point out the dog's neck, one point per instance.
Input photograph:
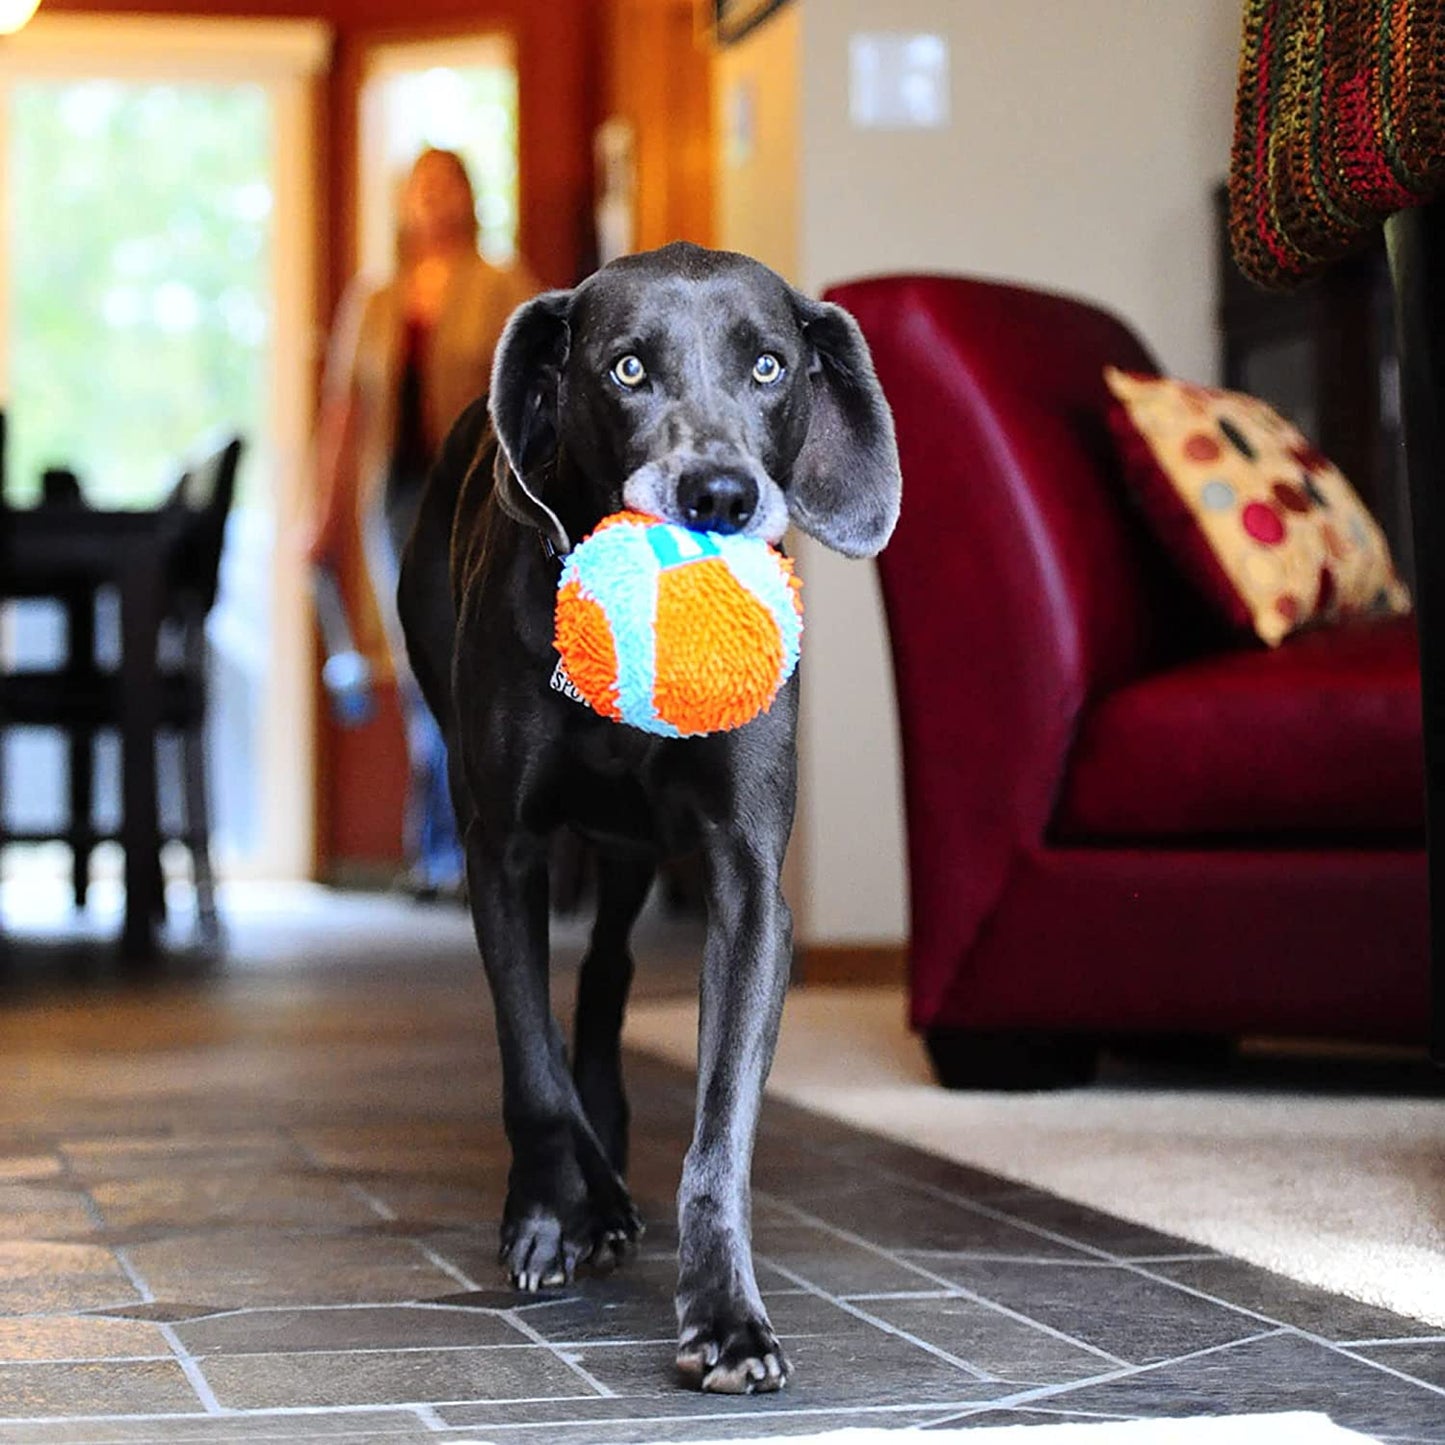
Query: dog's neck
{"points": [[579, 502]]}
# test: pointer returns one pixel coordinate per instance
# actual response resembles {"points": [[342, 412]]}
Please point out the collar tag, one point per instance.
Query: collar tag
{"points": [[564, 684]]}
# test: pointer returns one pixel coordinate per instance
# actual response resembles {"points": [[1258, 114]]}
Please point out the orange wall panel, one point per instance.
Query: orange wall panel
{"points": [[659, 77]]}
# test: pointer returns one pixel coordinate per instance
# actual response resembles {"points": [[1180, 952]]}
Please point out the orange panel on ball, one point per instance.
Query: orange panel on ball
{"points": [[584, 638], [719, 651]]}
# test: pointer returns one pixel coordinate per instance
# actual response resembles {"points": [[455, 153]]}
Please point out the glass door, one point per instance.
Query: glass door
{"points": [[154, 253]]}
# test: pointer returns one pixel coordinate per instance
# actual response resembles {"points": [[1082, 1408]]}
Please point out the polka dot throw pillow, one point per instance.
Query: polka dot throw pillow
{"points": [[1265, 525]]}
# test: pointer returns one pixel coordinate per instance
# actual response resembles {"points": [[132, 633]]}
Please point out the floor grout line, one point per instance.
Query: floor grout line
{"points": [[10, 1361], [430, 1419], [184, 1359], [106, 1312], [1395, 1340], [572, 1364], [881, 1324], [1203, 1256], [858, 1241], [88, 1202], [990, 1256], [755, 1410], [446, 1266], [1140, 1268], [528, 1343], [983, 1256], [118, 1251], [1113, 1415], [988, 1211], [147, 1295], [1384, 1368], [630, 1344], [1049, 1392], [299, 1412], [864, 1296], [378, 1206], [191, 1367], [1285, 1327], [513, 1317]]}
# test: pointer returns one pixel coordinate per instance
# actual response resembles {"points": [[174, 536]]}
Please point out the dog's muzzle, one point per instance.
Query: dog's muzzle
{"points": [[708, 495]]}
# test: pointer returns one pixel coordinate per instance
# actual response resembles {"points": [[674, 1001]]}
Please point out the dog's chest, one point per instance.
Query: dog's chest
{"points": [[610, 790], [606, 751]]}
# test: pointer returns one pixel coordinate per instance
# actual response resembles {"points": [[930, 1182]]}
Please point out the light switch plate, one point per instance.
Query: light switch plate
{"points": [[898, 81]]}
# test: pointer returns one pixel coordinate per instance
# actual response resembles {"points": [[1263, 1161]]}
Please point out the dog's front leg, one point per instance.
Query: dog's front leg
{"points": [[563, 1199], [726, 1342]]}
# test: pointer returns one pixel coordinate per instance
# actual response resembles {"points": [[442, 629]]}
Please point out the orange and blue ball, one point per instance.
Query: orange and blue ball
{"points": [[677, 632]]}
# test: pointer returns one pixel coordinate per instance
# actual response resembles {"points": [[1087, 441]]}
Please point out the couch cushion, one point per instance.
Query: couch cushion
{"points": [[1318, 737], [1266, 527]]}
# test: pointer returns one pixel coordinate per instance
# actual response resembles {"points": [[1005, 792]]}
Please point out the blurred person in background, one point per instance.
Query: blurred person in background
{"points": [[405, 359]]}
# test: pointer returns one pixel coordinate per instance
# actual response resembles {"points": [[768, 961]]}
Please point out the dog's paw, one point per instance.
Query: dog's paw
{"points": [[615, 1234], [539, 1252], [733, 1354]]}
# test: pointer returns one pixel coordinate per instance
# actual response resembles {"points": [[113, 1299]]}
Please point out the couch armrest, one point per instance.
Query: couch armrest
{"points": [[1014, 585]]}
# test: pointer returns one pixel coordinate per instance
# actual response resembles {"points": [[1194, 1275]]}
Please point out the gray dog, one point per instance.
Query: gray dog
{"points": [[697, 386]]}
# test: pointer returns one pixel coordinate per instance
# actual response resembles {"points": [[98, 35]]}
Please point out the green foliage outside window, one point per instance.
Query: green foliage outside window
{"points": [[140, 254]]}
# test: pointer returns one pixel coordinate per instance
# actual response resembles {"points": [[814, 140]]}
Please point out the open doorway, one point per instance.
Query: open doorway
{"points": [[156, 288], [458, 94]]}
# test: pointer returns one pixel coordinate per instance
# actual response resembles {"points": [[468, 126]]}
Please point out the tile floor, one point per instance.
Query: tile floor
{"points": [[258, 1203]]}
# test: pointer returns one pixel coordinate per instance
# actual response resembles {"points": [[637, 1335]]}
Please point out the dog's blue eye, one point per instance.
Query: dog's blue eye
{"points": [[767, 369], [629, 371]]}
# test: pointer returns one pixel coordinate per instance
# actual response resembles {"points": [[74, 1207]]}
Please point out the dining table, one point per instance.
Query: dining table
{"points": [[64, 551]]}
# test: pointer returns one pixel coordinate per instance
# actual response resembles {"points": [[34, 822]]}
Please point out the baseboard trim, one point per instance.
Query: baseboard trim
{"points": [[868, 965], [363, 875]]}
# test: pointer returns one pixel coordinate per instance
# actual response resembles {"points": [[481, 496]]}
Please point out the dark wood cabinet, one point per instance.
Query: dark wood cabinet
{"points": [[1325, 357]]}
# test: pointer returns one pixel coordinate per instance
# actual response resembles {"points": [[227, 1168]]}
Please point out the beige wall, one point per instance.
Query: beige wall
{"points": [[756, 89], [1085, 139]]}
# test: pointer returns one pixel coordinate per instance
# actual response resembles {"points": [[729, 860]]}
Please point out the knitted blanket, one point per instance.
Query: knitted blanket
{"points": [[1339, 122]]}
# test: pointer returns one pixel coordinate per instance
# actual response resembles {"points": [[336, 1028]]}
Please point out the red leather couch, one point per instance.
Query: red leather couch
{"points": [[1122, 822]]}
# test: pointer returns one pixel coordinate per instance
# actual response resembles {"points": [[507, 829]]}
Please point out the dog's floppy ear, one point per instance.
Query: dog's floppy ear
{"points": [[526, 376], [846, 485]]}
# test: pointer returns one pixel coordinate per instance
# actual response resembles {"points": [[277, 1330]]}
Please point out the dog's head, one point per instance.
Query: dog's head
{"points": [[700, 387]]}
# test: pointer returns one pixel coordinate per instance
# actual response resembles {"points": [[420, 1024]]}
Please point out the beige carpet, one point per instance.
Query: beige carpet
{"points": [[1347, 1193]]}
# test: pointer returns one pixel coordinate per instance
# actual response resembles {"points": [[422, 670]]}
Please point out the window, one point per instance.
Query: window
{"points": [[140, 220]]}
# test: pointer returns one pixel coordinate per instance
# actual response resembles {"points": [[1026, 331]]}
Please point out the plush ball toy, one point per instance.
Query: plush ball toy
{"points": [[676, 632]]}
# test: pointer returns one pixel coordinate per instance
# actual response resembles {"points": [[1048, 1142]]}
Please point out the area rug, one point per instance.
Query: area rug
{"points": [[1344, 1193]]}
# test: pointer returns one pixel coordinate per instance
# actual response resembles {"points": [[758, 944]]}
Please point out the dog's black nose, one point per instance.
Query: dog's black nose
{"points": [[717, 501]]}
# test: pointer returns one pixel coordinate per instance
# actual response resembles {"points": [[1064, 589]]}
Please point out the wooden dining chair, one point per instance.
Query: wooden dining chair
{"points": [[81, 697], [207, 493]]}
